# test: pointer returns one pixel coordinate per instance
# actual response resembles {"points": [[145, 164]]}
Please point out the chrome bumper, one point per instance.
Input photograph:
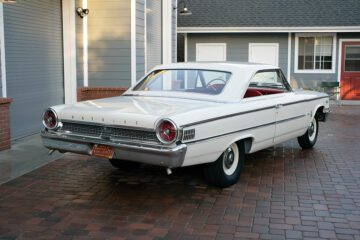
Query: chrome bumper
{"points": [[171, 157]]}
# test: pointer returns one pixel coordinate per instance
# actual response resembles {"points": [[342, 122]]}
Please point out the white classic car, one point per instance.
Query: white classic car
{"points": [[190, 113]]}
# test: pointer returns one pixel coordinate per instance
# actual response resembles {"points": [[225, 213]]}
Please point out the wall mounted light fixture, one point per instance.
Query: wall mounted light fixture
{"points": [[183, 9], [82, 12]]}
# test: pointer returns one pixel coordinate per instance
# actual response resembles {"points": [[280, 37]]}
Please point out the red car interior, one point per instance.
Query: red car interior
{"points": [[254, 92]]}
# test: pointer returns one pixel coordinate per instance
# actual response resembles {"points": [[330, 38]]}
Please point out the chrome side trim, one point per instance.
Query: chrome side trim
{"points": [[306, 100], [246, 129], [245, 112], [292, 118], [225, 116]]}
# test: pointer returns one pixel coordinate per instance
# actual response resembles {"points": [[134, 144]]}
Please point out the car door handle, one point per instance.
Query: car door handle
{"points": [[277, 106]]}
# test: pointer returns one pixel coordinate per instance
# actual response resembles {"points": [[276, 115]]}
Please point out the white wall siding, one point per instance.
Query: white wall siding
{"points": [[154, 33], [109, 39], [174, 32], [34, 61], [79, 47], [140, 38]]}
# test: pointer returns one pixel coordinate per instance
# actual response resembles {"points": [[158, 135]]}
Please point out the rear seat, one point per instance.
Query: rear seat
{"points": [[252, 93]]}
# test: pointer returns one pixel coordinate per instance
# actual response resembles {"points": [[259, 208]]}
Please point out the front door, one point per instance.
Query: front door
{"points": [[350, 71]]}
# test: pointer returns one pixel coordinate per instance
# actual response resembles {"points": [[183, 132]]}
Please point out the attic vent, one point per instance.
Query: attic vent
{"points": [[189, 134]]}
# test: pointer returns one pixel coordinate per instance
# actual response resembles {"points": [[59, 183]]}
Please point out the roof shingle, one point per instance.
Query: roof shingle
{"points": [[271, 13]]}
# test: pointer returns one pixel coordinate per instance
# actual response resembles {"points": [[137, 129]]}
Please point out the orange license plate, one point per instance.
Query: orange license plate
{"points": [[102, 151]]}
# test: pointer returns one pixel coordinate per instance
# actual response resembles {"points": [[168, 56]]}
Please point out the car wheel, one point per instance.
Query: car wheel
{"points": [[308, 140], [226, 170], [124, 165]]}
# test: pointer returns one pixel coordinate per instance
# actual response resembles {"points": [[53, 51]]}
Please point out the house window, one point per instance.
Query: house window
{"points": [[315, 53]]}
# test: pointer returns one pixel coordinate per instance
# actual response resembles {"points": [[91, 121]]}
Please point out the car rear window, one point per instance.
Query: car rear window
{"points": [[185, 80]]}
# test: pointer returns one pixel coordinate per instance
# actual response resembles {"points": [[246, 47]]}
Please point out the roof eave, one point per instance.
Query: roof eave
{"points": [[267, 29]]}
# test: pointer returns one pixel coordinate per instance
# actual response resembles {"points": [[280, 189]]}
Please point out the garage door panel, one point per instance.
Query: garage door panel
{"points": [[34, 62]]}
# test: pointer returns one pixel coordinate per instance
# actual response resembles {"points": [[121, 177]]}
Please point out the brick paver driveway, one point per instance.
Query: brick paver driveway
{"points": [[284, 192]]}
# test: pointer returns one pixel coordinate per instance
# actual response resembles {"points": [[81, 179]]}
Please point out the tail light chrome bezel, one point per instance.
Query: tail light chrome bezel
{"points": [[157, 129], [57, 124]]}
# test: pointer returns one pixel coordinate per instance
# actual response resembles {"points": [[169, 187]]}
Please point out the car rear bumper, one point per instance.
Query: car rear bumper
{"points": [[171, 157], [322, 116]]}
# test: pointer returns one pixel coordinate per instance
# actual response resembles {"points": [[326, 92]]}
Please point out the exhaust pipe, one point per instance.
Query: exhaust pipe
{"points": [[168, 171], [51, 152]]}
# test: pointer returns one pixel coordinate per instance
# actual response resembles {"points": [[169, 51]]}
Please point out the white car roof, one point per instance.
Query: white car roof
{"points": [[222, 66], [241, 74]]}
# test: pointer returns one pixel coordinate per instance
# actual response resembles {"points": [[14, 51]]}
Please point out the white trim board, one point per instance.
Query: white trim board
{"points": [[167, 9], [85, 46], [185, 47], [145, 37], [288, 75], [69, 51], [133, 42], [341, 40], [266, 29], [174, 11], [315, 71], [2, 49]]}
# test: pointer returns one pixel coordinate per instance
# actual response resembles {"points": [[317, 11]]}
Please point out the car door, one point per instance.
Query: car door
{"points": [[292, 114], [261, 110]]}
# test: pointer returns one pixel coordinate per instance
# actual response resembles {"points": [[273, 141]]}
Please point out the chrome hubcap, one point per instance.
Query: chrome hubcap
{"points": [[229, 158], [311, 129]]}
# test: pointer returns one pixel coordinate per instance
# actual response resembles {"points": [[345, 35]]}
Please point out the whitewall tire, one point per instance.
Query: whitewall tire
{"points": [[226, 170], [308, 140]]}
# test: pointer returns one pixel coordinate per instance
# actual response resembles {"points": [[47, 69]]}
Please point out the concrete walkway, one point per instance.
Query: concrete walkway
{"points": [[25, 155]]}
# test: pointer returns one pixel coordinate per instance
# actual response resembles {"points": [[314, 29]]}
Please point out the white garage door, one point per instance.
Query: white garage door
{"points": [[267, 53], [208, 52]]}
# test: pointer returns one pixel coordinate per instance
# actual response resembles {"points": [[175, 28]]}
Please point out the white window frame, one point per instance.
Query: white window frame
{"points": [[333, 57], [211, 44]]}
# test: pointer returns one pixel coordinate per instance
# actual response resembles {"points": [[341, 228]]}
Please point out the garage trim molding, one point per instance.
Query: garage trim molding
{"points": [[69, 51], [2, 49]]}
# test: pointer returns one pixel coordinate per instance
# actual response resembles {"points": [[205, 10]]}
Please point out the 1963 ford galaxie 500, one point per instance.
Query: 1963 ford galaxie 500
{"points": [[191, 113]]}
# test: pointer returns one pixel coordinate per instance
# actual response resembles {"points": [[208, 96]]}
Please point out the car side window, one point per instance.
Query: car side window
{"points": [[267, 82]]}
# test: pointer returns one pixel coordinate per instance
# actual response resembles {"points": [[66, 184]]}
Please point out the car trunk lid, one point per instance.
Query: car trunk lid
{"points": [[131, 111]]}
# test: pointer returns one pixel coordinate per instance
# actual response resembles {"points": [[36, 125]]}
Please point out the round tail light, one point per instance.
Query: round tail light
{"points": [[166, 131], [50, 119]]}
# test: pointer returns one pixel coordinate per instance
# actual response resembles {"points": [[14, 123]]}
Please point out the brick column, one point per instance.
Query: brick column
{"points": [[90, 93], [5, 142]]}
